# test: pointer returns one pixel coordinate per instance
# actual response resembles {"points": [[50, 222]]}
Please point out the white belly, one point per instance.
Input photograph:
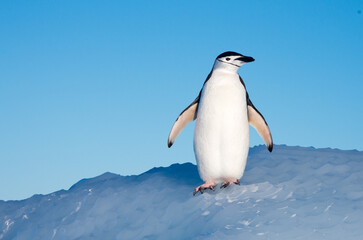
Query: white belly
{"points": [[221, 136]]}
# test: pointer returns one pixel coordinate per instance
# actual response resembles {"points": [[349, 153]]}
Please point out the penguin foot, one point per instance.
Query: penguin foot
{"points": [[206, 185], [229, 182]]}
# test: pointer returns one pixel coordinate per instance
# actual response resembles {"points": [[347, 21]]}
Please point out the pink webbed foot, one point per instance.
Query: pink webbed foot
{"points": [[229, 182], [206, 185]]}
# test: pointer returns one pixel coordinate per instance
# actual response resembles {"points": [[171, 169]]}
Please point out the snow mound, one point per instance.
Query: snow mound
{"points": [[292, 193]]}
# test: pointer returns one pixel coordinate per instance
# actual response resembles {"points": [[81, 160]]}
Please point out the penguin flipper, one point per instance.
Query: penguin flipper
{"points": [[186, 116], [257, 121]]}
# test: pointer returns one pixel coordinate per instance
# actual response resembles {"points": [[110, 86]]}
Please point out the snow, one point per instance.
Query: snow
{"points": [[291, 193]]}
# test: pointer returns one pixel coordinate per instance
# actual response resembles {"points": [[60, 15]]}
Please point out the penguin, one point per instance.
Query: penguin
{"points": [[223, 111]]}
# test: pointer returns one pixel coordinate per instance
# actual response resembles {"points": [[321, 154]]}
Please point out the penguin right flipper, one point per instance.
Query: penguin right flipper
{"points": [[186, 116], [257, 121]]}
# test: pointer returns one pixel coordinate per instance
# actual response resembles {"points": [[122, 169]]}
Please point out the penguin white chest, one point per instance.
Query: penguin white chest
{"points": [[221, 136]]}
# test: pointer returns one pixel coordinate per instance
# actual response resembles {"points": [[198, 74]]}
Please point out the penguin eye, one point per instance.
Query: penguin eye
{"points": [[228, 59]]}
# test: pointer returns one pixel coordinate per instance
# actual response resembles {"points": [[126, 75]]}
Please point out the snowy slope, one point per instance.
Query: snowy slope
{"points": [[292, 193]]}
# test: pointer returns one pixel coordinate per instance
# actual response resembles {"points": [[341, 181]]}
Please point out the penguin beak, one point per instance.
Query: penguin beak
{"points": [[245, 59]]}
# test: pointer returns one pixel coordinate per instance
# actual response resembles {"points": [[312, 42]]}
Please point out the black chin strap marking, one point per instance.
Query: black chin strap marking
{"points": [[228, 63]]}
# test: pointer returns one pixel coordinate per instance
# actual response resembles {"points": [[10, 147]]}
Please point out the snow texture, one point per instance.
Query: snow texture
{"points": [[292, 193]]}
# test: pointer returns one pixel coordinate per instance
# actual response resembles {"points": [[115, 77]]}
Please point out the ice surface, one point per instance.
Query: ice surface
{"points": [[292, 193]]}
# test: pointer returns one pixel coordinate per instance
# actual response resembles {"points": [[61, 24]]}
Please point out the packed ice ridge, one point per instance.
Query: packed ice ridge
{"points": [[291, 193]]}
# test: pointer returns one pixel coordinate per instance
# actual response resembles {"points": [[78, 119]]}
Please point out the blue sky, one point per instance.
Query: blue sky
{"points": [[93, 86]]}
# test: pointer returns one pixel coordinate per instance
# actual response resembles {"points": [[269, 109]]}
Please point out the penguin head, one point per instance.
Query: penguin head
{"points": [[231, 61]]}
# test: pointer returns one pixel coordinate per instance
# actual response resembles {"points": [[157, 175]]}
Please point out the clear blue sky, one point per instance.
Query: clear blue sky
{"points": [[93, 86]]}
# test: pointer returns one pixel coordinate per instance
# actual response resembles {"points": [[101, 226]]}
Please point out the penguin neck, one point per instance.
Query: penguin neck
{"points": [[225, 67]]}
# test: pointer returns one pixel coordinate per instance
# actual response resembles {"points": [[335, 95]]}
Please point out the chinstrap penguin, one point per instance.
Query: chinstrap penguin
{"points": [[222, 111]]}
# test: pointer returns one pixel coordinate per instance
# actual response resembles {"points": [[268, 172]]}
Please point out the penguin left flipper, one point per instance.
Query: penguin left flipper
{"points": [[186, 116], [257, 121]]}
